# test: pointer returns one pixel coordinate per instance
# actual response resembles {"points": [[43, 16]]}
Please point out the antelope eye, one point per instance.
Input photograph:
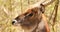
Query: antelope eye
{"points": [[31, 14]]}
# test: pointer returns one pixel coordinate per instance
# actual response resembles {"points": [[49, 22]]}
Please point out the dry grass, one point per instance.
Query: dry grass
{"points": [[9, 9]]}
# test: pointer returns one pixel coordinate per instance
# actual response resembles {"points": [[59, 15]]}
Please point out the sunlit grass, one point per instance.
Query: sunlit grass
{"points": [[13, 9]]}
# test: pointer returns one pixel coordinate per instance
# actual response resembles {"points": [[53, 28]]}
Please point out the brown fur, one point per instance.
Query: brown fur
{"points": [[33, 20]]}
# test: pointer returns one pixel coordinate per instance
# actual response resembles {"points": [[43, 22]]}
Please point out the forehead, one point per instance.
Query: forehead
{"points": [[30, 10], [34, 9]]}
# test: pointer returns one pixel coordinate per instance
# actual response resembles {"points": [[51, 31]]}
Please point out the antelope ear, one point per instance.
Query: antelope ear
{"points": [[42, 8]]}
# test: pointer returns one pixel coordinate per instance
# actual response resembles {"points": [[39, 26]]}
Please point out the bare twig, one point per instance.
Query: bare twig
{"points": [[56, 9], [5, 10], [51, 15], [21, 6], [28, 2]]}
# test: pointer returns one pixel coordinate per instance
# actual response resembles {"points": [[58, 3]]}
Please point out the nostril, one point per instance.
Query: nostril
{"points": [[13, 22]]}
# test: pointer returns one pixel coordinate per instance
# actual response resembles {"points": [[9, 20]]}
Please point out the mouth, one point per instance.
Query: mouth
{"points": [[20, 23]]}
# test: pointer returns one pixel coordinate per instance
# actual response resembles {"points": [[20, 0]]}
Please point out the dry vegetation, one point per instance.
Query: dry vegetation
{"points": [[9, 9]]}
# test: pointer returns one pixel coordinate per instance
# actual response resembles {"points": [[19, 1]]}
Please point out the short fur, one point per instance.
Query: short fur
{"points": [[33, 20]]}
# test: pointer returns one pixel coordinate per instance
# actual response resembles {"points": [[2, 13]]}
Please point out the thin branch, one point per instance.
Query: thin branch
{"points": [[55, 16], [51, 15], [21, 6], [56, 9], [28, 2], [5, 10]]}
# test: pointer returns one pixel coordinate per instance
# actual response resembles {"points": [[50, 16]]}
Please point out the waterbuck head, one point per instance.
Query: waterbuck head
{"points": [[31, 17]]}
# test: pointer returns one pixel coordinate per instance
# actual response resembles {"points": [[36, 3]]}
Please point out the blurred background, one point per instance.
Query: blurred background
{"points": [[9, 9]]}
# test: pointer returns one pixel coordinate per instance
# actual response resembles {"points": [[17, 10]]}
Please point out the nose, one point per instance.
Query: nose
{"points": [[14, 21]]}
